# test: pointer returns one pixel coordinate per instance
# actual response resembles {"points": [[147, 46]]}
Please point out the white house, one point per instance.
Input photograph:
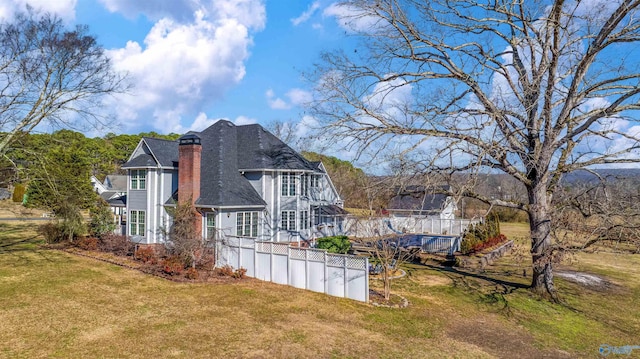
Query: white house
{"points": [[422, 201], [243, 181]]}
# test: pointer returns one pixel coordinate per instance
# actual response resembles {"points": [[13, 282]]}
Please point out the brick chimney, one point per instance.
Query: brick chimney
{"points": [[189, 155]]}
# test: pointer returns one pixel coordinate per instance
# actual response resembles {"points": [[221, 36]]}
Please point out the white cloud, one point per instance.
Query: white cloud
{"points": [[307, 14], [353, 19], [276, 103], [249, 13], [202, 121], [296, 97], [182, 66], [65, 9]]}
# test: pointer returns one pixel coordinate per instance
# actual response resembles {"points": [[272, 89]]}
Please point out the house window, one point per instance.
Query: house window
{"points": [[288, 221], [211, 225], [304, 219], [315, 181], [136, 223], [289, 180], [138, 179], [304, 182], [247, 224]]}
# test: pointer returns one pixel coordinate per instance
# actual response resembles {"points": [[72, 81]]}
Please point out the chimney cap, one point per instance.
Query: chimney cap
{"points": [[189, 139]]}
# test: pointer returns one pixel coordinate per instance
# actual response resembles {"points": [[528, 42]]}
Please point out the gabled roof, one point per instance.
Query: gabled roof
{"points": [[418, 198], [116, 183], [163, 152]]}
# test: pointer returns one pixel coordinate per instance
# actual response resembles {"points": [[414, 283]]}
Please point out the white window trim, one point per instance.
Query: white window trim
{"points": [[247, 228], [135, 223], [207, 227], [137, 178], [288, 221], [289, 184]]}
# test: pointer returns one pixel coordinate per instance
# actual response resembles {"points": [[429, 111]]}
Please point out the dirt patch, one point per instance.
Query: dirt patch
{"points": [[590, 281], [497, 339]]}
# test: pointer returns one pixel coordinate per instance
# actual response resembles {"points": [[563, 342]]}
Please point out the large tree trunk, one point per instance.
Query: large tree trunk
{"points": [[540, 227]]}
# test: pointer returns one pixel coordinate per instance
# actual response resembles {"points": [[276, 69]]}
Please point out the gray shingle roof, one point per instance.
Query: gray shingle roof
{"points": [[418, 198], [166, 151], [116, 182], [142, 160], [221, 183], [259, 149]]}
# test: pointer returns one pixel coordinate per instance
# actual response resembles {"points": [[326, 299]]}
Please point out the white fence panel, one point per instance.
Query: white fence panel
{"points": [[263, 267], [247, 261], [316, 276], [297, 274], [312, 269], [335, 281], [358, 285], [280, 269]]}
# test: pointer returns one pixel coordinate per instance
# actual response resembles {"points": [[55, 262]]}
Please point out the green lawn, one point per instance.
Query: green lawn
{"points": [[56, 304]]}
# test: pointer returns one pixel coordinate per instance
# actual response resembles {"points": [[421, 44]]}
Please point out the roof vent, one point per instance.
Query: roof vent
{"points": [[189, 139]]}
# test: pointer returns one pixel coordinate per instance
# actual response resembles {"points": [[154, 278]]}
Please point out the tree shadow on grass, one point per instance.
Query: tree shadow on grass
{"points": [[490, 290], [22, 248]]}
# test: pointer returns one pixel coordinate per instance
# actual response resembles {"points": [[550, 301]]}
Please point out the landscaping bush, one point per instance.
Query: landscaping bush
{"points": [[240, 273], [226, 271], [173, 265], [88, 243], [191, 273], [477, 236], [335, 244], [146, 255], [116, 244], [51, 232], [101, 219]]}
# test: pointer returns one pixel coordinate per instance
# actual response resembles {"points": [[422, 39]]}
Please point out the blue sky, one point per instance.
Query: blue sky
{"points": [[194, 61]]}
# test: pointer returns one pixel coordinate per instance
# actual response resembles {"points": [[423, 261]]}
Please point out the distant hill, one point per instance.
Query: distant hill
{"points": [[610, 174]]}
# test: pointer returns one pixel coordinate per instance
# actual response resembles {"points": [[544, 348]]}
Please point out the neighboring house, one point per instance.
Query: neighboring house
{"points": [[114, 191], [243, 181], [422, 201]]}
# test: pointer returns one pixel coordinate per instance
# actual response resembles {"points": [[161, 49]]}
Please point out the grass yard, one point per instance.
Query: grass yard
{"points": [[59, 305]]}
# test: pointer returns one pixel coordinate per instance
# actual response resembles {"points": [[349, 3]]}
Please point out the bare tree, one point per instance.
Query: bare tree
{"points": [[534, 89], [49, 74], [386, 251], [603, 210], [185, 241]]}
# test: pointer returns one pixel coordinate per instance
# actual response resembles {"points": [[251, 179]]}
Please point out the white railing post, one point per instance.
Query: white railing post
{"points": [[346, 277]]}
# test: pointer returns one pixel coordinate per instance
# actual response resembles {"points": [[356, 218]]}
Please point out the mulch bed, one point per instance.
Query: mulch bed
{"points": [[204, 276], [376, 298]]}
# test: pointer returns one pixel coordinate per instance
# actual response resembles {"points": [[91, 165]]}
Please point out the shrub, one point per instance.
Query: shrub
{"points": [[476, 235], [335, 244], [147, 255], [88, 243], [116, 244], [239, 273], [101, 219], [18, 193], [173, 266], [51, 232], [192, 273], [226, 271]]}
